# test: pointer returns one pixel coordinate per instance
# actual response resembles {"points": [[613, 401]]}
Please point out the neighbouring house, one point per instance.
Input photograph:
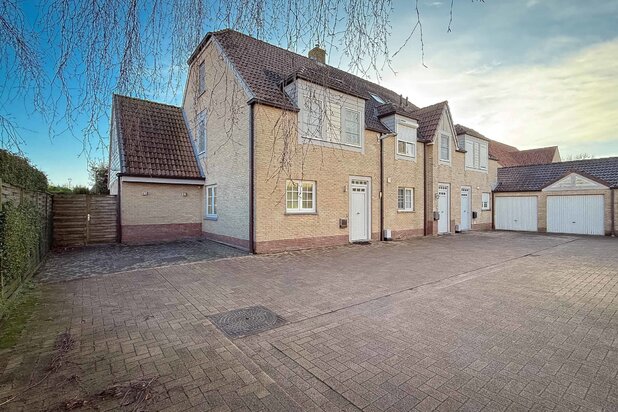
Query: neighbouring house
{"points": [[154, 172], [292, 153], [567, 197]]}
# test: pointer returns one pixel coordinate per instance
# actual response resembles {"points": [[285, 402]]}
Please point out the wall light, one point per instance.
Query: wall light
{"points": [[144, 193], [184, 194]]}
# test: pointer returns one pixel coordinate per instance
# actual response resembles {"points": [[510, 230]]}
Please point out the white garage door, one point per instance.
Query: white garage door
{"points": [[516, 213], [575, 214]]}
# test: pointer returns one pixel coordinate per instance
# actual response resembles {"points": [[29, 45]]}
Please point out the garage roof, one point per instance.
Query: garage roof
{"points": [[536, 177]]}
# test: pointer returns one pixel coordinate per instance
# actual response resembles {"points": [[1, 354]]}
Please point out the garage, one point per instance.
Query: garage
{"points": [[576, 197], [576, 214], [516, 213]]}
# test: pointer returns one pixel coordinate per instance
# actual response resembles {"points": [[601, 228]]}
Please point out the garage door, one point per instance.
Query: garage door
{"points": [[516, 213], [575, 214]]}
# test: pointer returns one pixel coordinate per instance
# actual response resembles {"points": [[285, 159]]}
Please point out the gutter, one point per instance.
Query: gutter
{"points": [[251, 178]]}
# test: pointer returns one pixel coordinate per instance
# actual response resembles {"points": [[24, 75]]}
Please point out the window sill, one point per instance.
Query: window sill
{"points": [[211, 217], [287, 213], [405, 211], [316, 140], [401, 156]]}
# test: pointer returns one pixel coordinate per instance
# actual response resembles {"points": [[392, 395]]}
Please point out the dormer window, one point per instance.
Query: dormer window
{"points": [[406, 140], [476, 153]]}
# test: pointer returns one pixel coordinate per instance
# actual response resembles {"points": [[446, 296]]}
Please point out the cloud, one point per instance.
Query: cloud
{"points": [[571, 103]]}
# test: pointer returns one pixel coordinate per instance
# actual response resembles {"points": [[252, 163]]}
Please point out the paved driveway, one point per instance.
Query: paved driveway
{"points": [[484, 321]]}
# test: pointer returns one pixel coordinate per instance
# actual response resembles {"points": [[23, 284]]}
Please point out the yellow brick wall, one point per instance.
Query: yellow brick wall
{"points": [[542, 204], [402, 173], [164, 203], [279, 156], [226, 160], [615, 212]]}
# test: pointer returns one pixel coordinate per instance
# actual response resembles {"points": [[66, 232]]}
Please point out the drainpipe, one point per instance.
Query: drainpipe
{"points": [[613, 202], [381, 139], [424, 189], [251, 178], [118, 212]]}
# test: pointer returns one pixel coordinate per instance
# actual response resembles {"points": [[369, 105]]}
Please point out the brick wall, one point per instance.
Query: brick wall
{"points": [[226, 159], [164, 213], [279, 156]]}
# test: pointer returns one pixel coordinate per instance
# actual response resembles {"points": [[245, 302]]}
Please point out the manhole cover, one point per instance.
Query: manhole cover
{"points": [[246, 321]]}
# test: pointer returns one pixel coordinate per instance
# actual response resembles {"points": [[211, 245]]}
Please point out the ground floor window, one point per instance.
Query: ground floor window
{"points": [[300, 196], [486, 201], [405, 199], [211, 201]]}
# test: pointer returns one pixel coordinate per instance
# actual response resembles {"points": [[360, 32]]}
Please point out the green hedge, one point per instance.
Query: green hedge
{"points": [[17, 171], [20, 236]]}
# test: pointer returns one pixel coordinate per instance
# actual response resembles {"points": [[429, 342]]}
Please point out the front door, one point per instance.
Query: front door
{"points": [[359, 210], [443, 208], [465, 208]]}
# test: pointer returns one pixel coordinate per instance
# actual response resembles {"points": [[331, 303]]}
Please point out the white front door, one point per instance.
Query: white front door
{"points": [[359, 210], [465, 209], [443, 208], [576, 214]]}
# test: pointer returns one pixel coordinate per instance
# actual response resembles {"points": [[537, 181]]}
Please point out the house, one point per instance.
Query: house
{"points": [[154, 172], [566, 197], [292, 153]]}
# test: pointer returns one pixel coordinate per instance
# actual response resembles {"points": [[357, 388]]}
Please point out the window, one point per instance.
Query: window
{"points": [[313, 117], [445, 147], [405, 199], [211, 201], [406, 140], [377, 98], [201, 133], [486, 201], [476, 154], [351, 127], [201, 87], [300, 196]]}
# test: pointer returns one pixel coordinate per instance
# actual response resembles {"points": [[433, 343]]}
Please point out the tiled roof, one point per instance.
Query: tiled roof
{"points": [[154, 139], [265, 68], [537, 177], [461, 129], [429, 120]]}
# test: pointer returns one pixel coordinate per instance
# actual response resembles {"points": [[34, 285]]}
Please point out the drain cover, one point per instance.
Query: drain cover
{"points": [[246, 321]]}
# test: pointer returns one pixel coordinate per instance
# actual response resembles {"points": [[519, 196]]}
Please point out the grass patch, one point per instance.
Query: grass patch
{"points": [[17, 314]]}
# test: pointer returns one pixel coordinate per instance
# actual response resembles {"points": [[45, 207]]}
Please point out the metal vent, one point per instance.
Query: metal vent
{"points": [[246, 321]]}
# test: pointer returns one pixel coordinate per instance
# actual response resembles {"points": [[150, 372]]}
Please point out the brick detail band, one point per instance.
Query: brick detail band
{"points": [[160, 233], [228, 240], [406, 233], [481, 226]]}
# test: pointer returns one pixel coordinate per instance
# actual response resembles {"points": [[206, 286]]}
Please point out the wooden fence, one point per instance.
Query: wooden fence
{"points": [[43, 202], [81, 220]]}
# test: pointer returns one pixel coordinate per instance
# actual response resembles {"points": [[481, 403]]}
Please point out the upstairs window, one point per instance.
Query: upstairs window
{"points": [[299, 196], [476, 154], [351, 127], [445, 147], [201, 79], [201, 133], [406, 140], [405, 199], [314, 112], [211, 201]]}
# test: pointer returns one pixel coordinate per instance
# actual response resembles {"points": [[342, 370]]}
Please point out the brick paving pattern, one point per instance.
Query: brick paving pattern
{"points": [[71, 264], [484, 321]]}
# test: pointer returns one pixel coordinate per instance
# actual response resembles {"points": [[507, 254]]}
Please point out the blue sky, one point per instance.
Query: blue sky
{"points": [[528, 73]]}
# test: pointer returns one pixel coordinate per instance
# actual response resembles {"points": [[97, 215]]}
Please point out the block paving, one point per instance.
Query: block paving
{"points": [[480, 321]]}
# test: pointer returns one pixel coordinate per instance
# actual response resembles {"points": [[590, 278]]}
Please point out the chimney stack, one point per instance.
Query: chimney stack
{"points": [[318, 54]]}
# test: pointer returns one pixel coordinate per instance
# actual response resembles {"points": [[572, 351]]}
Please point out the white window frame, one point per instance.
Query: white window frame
{"points": [[448, 140], [201, 133], [485, 203], [201, 78], [409, 143], [210, 211], [406, 191], [345, 114], [300, 209]]}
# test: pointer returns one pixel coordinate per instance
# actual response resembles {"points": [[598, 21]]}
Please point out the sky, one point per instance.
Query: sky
{"points": [[527, 73]]}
